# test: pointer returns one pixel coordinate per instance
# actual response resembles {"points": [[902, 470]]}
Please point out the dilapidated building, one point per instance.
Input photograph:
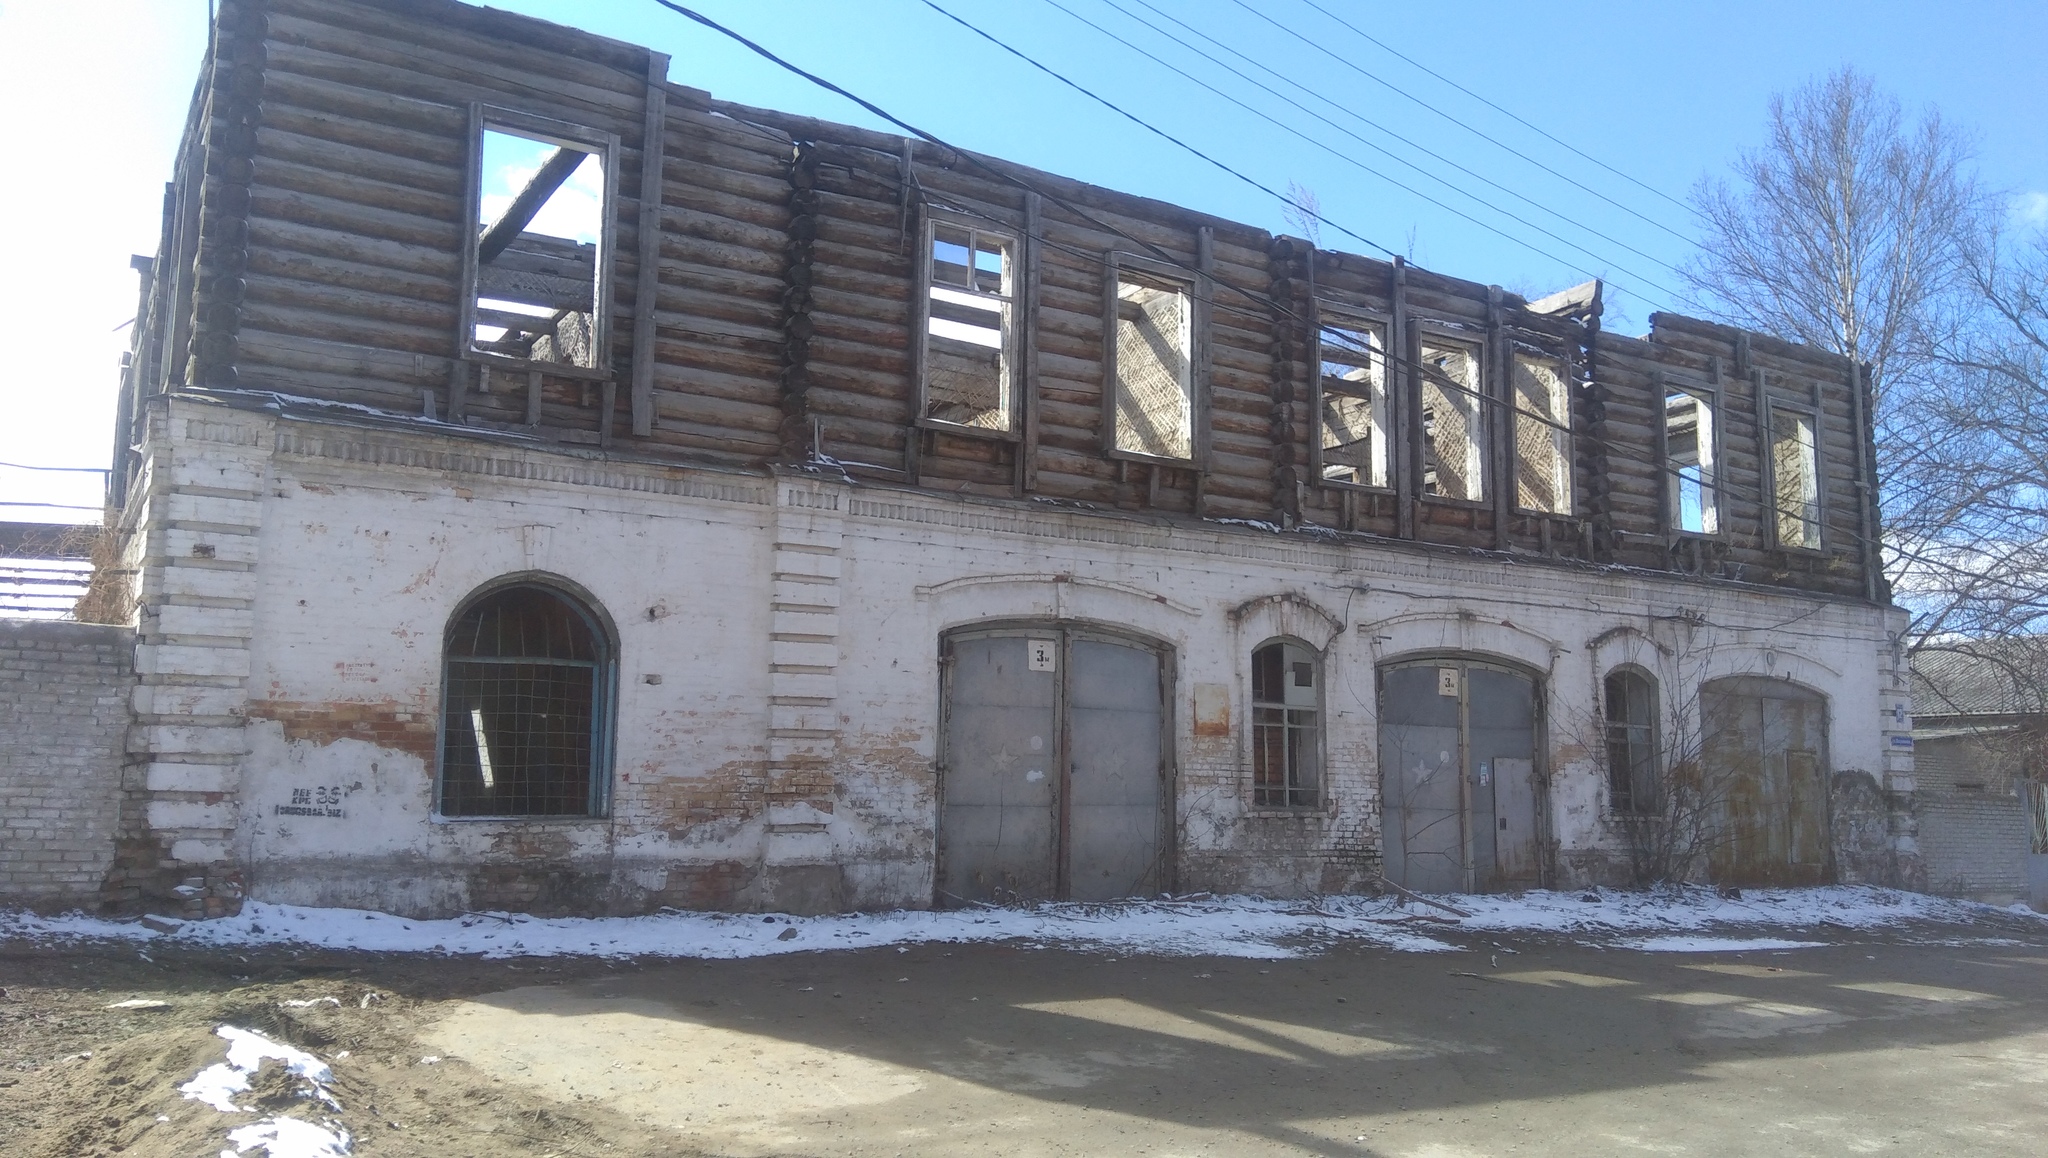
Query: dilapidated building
{"points": [[551, 487]]}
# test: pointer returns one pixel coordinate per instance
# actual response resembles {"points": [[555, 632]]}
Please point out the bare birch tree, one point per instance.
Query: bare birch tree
{"points": [[1857, 230]]}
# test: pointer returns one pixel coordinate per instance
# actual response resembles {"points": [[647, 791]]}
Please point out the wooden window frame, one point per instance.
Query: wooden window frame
{"points": [[1319, 732], [1655, 728], [562, 134], [1016, 339], [1422, 330], [1343, 317], [1769, 464], [1512, 485], [1198, 286], [1667, 475]]}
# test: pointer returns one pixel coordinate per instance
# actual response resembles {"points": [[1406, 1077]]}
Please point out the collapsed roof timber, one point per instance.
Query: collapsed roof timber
{"points": [[557, 488]]}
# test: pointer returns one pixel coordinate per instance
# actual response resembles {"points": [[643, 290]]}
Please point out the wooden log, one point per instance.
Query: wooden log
{"points": [[351, 217]]}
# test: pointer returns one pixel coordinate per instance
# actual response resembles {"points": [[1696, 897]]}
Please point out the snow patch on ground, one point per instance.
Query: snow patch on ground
{"points": [[1714, 944], [1249, 927], [218, 1084]]}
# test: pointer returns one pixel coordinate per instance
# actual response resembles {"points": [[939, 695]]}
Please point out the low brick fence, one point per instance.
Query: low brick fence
{"points": [[64, 712]]}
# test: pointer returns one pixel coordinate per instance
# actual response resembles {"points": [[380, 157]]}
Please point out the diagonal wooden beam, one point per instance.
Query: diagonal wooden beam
{"points": [[499, 234]]}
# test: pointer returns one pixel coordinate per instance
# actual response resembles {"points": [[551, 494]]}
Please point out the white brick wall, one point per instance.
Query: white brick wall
{"points": [[64, 690]]}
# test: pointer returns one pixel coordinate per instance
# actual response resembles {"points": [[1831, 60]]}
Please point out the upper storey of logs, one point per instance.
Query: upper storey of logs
{"points": [[435, 212]]}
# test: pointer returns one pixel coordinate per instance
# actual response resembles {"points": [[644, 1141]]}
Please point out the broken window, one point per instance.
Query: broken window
{"points": [[969, 351], [539, 294], [1543, 436], [1694, 495], [1155, 394], [1631, 708], [1795, 471], [526, 680], [1453, 421], [1286, 733], [1353, 415]]}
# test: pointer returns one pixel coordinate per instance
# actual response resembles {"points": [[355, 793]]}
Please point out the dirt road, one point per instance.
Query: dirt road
{"points": [[1881, 1043]]}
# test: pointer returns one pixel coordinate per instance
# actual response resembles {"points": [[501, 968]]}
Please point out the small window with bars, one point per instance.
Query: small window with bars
{"points": [[970, 338], [524, 707], [1453, 420], [1286, 726], [1543, 434], [1353, 417]]}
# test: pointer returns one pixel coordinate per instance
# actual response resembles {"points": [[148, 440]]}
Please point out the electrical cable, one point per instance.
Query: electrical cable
{"points": [[1756, 495], [1504, 112], [1413, 144], [1320, 47]]}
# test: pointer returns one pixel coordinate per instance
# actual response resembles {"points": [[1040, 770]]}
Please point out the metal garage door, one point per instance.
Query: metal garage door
{"points": [[1459, 777], [1053, 774]]}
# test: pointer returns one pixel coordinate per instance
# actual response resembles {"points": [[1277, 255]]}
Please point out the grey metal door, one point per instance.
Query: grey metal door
{"points": [[1459, 777], [1053, 775], [1000, 774], [1115, 793]]}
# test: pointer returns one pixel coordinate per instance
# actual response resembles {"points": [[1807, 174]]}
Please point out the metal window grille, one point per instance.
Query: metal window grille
{"points": [[521, 723], [1286, 727]]}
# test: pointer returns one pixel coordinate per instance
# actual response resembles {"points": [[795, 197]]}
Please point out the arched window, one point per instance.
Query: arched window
{"points": [[1287, 740], [1632, 765], [525, 706]]}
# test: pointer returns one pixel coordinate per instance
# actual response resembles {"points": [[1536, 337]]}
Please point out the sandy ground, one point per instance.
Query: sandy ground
{"points": [[1922, 1039]]}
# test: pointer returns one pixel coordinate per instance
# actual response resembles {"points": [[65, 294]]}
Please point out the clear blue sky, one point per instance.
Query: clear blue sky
{"points": [[1663, 92]]}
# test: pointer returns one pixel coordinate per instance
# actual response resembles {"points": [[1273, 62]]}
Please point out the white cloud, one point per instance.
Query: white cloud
{"points": [[2031, 209]]}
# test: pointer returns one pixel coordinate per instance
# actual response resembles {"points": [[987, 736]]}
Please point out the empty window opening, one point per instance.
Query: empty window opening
{"points": [[1689, 454], [1543, 437], [1286, 729], [1453, 422], [540, 223], [1631, 707], [1795, 468], [1354, 419], [1155, 398], [969, 339], [523, 707]]}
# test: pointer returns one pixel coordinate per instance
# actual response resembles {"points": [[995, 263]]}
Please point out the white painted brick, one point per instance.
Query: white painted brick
{"points": [[188, 700], [163, 777], [819, 594], [803, 718], [804, 654], [805, 563], [179, 659], [216, 472], [190, 814], [227, 547], [803, 623], [827, 538], [207, 582], [787, 748], [190, 851], [187, 740], [189, 509], [807, 686], [178, 619]]}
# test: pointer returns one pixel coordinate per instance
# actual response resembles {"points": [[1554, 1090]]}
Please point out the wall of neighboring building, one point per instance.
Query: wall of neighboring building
{"points": [[1973, 819], [779, 690], [64, 690]]}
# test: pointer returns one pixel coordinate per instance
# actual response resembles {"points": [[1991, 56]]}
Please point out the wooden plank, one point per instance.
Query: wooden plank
{"points": [[647, 293]]}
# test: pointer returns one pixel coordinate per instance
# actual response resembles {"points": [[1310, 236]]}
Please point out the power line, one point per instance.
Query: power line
{"points": [[1148, 126], [1504, 112], [1319, 47], [1413, 144], [1766, 505], [78, 469]]}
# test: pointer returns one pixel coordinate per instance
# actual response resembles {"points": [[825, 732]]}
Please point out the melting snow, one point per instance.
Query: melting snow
{"points": [[217, 1085], [1714, 944], [1220, 926]]}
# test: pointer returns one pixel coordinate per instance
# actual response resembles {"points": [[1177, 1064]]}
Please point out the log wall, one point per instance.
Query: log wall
{"points": [[314, 249]]}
